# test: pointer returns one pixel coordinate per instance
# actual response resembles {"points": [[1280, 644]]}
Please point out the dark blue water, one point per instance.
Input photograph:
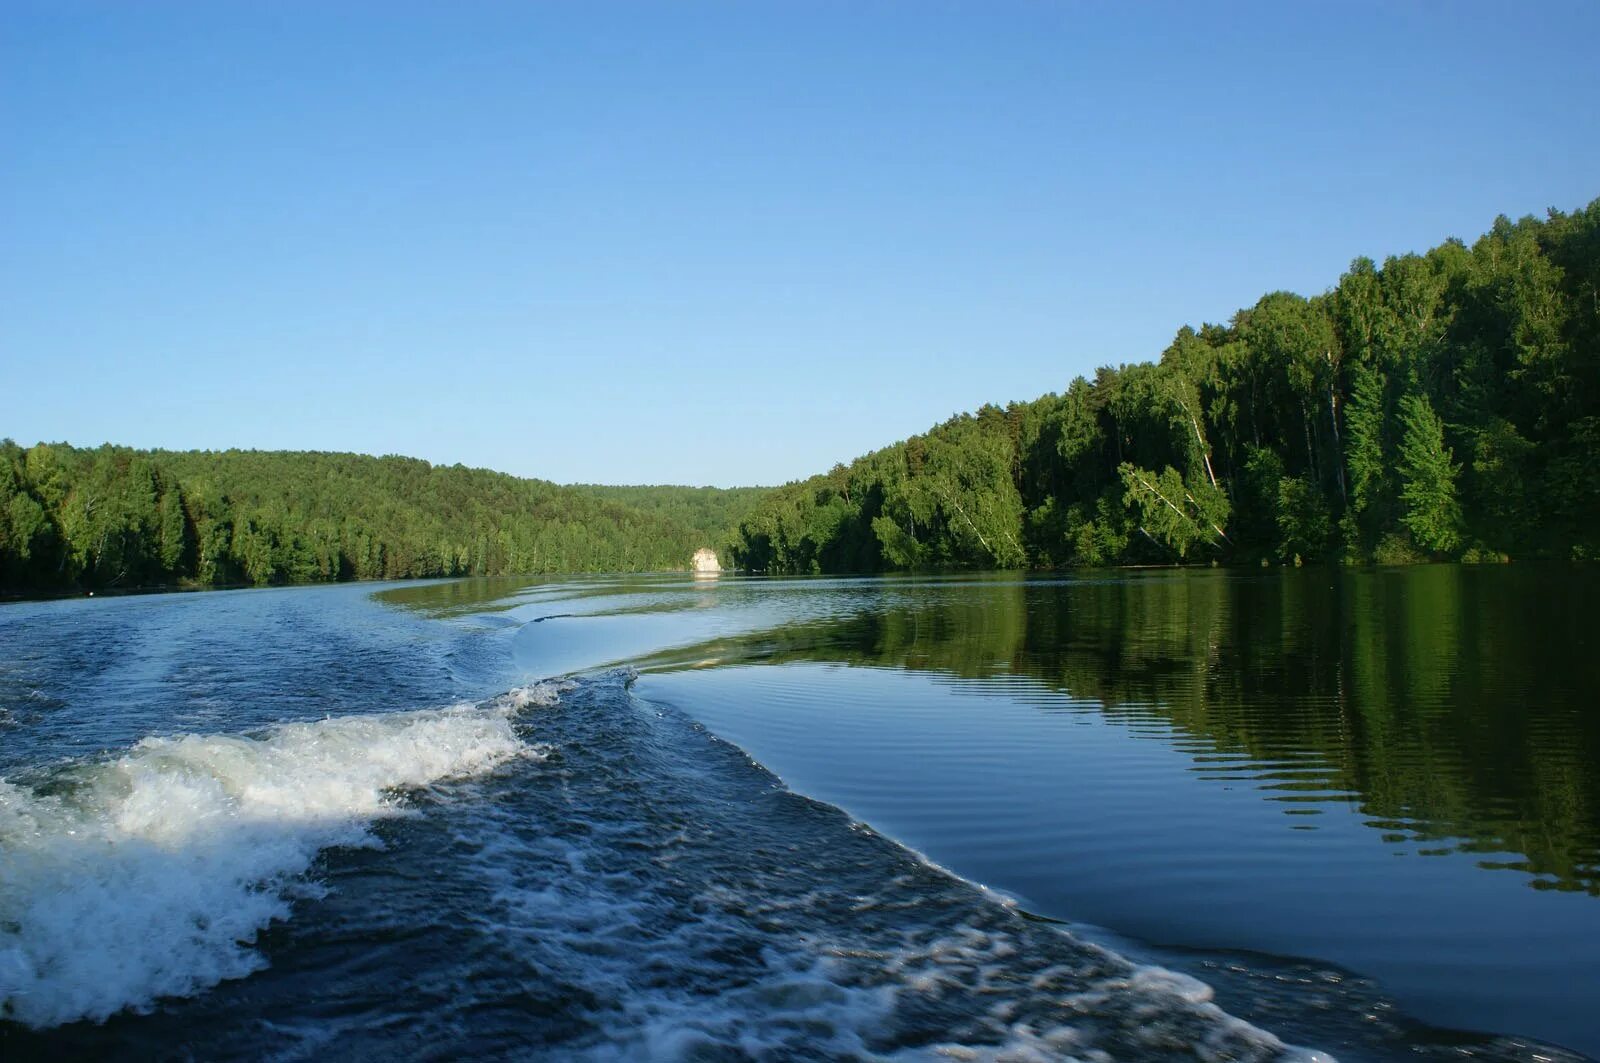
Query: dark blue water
{"points": [[334, 823]]}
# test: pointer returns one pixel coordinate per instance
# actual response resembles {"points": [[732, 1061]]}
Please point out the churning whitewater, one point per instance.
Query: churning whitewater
{"points": [[605, 878], [147, 875]]}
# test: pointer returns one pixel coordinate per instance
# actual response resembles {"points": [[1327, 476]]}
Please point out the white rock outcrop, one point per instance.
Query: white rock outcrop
{"points": [[705, 561]]}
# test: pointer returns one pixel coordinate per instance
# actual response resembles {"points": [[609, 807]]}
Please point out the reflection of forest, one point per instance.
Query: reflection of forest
{"points": [[631, 593], [1452, 705], [482, 594]]}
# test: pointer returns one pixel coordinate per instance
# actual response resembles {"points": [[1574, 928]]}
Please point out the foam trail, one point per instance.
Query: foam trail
{"points": [[150, 875]]}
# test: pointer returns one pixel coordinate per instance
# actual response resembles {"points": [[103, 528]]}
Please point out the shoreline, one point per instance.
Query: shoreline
{"points": [[9, 596]]}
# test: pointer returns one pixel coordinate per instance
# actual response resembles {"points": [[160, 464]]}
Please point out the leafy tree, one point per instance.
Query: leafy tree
{"points": [[1498, 481], [115, 517], [1173, 513], [1276, 435], [1428, 478], [1305, 527], [1280, 433], [1371, 480]]}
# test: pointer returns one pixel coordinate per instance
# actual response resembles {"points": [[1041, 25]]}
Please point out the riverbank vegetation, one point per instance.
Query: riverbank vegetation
{"points": [[1442, 405], [75, 518], [711, 511]]}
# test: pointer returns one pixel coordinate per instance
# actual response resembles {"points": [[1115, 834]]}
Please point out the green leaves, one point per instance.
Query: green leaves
{"points": [[1173, 512], [1432, 512], [1280, 435], [115, 517]]}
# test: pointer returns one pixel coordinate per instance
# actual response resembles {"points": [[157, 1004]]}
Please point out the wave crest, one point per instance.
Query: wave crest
{"points": [[151, 874]]}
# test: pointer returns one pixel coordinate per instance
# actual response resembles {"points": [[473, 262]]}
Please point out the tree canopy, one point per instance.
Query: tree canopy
{"points": [[1443, 405], [114, 517]]}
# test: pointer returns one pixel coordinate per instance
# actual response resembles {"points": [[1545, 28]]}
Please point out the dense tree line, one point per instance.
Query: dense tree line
{"points": [[1443, 405], [115, 517], [711, 511]]}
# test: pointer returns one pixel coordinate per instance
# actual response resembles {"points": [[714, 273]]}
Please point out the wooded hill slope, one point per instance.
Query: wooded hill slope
{"points": [[1442, 405], [711, 511], [116, 517]]}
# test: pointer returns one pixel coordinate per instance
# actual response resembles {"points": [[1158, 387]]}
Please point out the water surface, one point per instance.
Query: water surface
{"points": [[1362, 808]]}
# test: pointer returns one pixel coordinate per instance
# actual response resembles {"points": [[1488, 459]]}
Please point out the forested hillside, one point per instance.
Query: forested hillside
{"points": [[711, 511], [1443, 405], [115, 517]]}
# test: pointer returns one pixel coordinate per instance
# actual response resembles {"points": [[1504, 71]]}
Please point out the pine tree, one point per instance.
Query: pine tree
{"points": [[1428, 478], [1364, 445]]}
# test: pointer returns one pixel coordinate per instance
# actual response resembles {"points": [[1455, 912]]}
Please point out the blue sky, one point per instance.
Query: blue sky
{"points": [[712, 243]]}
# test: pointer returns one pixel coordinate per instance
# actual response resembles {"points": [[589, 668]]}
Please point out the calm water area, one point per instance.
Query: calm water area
{"points": [[1128, 815]]}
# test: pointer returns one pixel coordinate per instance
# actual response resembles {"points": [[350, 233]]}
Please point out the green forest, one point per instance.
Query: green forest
{"points": [[1440, 406], [113, 518], [711, 511]]}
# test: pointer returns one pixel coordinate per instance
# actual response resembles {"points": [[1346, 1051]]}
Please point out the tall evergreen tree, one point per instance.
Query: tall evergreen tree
{"points": [[1428, 478]]}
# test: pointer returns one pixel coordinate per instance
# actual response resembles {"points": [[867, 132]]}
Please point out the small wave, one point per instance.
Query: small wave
{"points": [[150, 875]]}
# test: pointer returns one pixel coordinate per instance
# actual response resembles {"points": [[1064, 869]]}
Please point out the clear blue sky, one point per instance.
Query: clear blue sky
{"points": [[712, 243]]}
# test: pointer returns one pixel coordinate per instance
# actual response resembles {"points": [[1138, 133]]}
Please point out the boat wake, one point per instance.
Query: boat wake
{"points": [[587, 876], [148, 875]]}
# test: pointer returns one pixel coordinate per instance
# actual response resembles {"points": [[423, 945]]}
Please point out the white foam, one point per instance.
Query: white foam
{"points": [[150, 875], [541, 695]]}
